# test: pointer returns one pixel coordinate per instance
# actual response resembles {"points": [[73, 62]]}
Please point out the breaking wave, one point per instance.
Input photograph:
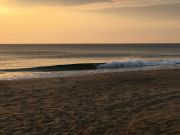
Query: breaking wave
{"points": [[137, 63], [93, 66], [87, 68]]}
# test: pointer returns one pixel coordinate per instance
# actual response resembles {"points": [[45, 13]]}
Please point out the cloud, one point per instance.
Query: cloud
{"points": [[166, 11], [63, 2], [100, 3]]}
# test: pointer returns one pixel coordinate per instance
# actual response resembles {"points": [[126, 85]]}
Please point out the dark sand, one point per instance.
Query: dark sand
{"points": [[134, 103]]}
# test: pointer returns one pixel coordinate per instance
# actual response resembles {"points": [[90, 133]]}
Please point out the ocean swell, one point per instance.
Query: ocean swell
{"points": [[137, 63]]}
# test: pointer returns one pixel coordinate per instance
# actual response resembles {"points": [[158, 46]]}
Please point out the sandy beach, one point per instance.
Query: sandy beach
{"points": [[126, 103]]}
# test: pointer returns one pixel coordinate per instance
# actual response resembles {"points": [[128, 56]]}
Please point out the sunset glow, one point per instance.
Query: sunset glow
{"points": [[91, 22]]}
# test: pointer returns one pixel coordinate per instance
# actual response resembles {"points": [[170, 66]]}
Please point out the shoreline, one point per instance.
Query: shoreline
{"points": [[124, 63], [138, 102], [75, 73]]}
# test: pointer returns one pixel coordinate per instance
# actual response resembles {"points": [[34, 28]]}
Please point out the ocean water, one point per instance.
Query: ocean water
{"points": [[128, 56]]}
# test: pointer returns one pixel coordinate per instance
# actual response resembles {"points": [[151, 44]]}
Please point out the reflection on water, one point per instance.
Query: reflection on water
{"points": [[30, 75], [26, 56], [15, 56]]}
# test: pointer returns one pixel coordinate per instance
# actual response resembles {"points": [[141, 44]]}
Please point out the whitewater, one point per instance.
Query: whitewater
{"points": [[116, 66], [137, 63], [39, 61]]}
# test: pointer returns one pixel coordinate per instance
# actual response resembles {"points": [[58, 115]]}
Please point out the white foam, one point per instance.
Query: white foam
{"points": [[137, 63], [119, 66]]}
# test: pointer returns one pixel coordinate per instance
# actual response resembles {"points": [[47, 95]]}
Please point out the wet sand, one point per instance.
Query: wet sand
{"points": [[127, 103]]}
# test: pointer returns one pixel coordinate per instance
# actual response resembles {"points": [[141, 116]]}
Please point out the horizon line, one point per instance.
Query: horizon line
{"points": [[88, 43]]}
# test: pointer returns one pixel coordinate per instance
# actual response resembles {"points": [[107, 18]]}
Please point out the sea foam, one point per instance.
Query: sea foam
{"points": [[137, 63]]}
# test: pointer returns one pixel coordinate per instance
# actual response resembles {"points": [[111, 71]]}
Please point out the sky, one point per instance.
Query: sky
{"points": [[89, 21]]}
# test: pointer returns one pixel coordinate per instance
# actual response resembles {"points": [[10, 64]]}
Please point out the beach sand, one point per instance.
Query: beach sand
{"points": [[124, 103]]}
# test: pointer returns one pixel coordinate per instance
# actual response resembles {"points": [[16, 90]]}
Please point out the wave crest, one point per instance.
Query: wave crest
{"points": [[137, 63]]}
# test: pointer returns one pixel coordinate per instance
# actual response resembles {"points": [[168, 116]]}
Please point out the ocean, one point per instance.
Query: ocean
{"points": [[28, 61]]}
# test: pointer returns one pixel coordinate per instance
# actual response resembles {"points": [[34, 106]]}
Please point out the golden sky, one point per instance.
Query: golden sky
{"points": [[89, 21]]}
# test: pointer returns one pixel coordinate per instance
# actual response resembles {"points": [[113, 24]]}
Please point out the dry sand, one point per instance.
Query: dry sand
{"points": [[134, 103]]}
